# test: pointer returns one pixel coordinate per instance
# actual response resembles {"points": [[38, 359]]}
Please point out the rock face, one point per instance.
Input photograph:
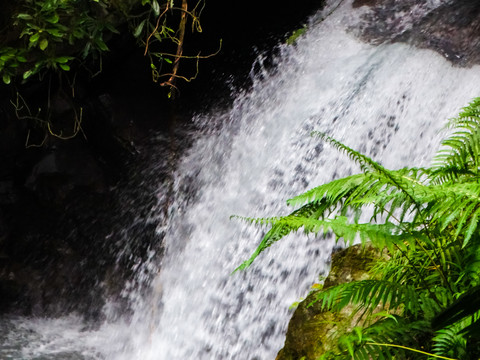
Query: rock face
{"points": [[66, 212], [73, 213], [310, 327], [450, 27]]}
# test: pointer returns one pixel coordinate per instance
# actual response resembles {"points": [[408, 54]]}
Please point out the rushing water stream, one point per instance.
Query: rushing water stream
{"points": [[389, 101]]}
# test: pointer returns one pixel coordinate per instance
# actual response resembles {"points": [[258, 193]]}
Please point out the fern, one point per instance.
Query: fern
{"points": [[386, 235], [450, 342], [370, 294], [378, 341], [427, 219], [460, 152]]}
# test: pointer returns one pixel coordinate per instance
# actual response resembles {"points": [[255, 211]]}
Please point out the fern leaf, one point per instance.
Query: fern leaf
{"points": [[459, 154], [334, 190], [378, 341], [365, 163], [380, 235], [450, 342], [369, 294], [471, 227]]}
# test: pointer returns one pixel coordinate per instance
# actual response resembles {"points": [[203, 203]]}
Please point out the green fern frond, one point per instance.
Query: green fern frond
{"points": [[390, 338], [279, 230], [449, 342], [460, 153], [427, 219], [456, 204], [370, 295], [449, 173], [365, 163], [333, 191], [256, 221], [388, 191], [387, 235]]}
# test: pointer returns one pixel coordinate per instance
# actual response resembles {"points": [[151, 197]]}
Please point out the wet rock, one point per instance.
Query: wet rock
{"points": [[451, 28], [310, 327]]}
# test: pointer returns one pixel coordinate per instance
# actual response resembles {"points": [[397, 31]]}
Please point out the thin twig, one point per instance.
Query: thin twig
{"points": [[155, 30]]}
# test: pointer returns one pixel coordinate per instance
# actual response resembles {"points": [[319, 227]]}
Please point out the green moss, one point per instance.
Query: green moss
{"points": [[310, 328], [292, 39]]}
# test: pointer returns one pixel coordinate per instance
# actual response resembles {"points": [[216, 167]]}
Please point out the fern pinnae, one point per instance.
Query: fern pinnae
{"points": [[256, 221], [449, 219], [450, 338], [468, 210], [369, 294], [449, 173], [366, 164], [460, 151], [471, 227], [427, 218], [334, 190]]}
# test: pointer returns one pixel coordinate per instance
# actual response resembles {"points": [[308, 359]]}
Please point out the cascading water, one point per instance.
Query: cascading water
{"points": [[387, 101]]}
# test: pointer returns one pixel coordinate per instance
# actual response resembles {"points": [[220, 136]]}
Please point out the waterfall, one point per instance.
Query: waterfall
{"points": [[389, 101]]}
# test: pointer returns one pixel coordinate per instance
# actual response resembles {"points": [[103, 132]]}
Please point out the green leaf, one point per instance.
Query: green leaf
{"points": [[358, 332], [24, 16], [63, 59], [86, 49], [34, 38], [6, 79], [139, 28], [167, 61], [5, 58], [471, 227], [64, 67], [78, 33], [27, 74], [156, 7], [101, 44], [295, 35], [385, 314], [43, 44], [112, 28], [167, 29], [55, 32], [53, 19], [159, 36]]}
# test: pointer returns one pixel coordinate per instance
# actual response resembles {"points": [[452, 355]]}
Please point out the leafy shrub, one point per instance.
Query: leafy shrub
{"points": [[50, 34], [42, 38]]}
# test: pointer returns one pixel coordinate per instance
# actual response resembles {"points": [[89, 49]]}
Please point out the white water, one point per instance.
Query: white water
{"points": [[387, 101]]}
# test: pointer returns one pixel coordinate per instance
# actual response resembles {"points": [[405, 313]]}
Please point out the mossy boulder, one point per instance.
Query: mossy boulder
{"points": [[310, 327]]}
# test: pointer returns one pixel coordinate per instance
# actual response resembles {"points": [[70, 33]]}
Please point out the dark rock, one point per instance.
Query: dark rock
{"points": [[451, 28], [359, 3]]}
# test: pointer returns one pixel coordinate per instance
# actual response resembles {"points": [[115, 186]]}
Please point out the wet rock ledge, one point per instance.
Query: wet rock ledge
{"points": [[310, 327]]}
